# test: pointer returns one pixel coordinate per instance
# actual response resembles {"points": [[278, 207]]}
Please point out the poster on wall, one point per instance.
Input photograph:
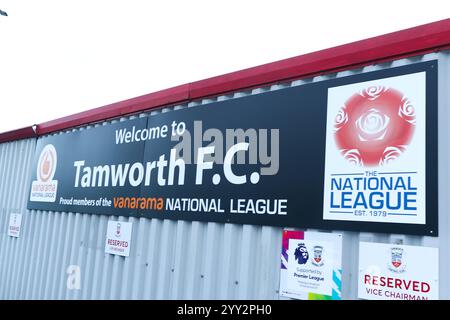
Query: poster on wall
{"points": [[398, 272], [376, 151], [118, 238], [311, 265], [342, 154]]}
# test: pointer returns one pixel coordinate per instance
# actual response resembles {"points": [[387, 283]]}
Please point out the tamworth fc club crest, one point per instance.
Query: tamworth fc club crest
{"points": [[318, 259], [397, 264], [118, 231]]}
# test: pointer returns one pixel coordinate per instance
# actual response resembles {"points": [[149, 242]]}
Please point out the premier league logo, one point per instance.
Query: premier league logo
{"points": [[397, 265], [318, 260], [301, 253]]}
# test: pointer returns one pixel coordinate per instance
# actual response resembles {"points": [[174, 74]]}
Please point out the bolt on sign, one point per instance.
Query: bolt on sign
{"points": [[342, 154], [398, 272]]}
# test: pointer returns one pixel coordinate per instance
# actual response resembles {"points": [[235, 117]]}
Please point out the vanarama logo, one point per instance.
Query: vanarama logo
{"points": [[45, 187], [143, 203], [375, 126]]}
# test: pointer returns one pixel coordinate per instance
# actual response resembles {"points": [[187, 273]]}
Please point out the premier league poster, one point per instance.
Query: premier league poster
{"points": [[311, 265]]}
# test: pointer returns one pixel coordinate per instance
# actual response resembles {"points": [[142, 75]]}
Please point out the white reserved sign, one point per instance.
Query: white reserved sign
{"points": [[118, 238], [15, 221], [398, 272]]}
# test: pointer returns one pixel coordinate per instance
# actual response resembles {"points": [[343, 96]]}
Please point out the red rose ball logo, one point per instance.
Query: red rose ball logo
{"points": [[374, 126]]}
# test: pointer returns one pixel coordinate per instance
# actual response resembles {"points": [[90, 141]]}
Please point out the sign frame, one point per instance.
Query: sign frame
{"points": [[305, 211]]}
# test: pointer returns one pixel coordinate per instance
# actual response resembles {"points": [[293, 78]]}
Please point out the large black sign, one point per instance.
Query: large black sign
{"points": [[258, 159]]}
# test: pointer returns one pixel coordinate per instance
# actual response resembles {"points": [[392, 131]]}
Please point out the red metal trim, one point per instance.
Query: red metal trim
{"points": [[134, 105], [405, 43], [17, 134], [390, 46]]}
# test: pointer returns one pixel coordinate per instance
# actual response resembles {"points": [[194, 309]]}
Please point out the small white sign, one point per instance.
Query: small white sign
{"points": [[398, 272], [15, 220], [118, 238]]}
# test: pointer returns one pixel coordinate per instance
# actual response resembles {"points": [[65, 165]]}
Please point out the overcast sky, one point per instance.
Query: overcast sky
{"points": [[62, 57]]}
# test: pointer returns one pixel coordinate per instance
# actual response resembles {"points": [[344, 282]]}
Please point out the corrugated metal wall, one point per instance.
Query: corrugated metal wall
{"points": [[176, 259]]}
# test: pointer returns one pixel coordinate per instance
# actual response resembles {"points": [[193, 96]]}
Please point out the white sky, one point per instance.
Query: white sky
{"points": [[62, 57]]}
